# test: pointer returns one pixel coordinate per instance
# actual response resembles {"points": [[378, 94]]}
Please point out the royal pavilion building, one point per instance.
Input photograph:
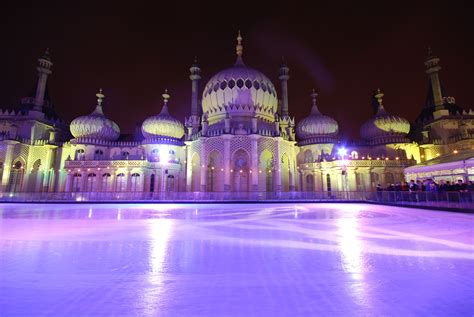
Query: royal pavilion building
{"points": [[239, 137]]}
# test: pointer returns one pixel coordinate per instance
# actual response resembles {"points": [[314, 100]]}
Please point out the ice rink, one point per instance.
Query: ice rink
{"points": [[234, 260]]}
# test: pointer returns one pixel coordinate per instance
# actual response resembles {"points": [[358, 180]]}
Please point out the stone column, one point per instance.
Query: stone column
{"points": [[189, 167], [129, 181], [68, 186], [351, 179], [203, 167], [291, 176], [7, 165], [254, 168], [227, 162], [277, 167]]}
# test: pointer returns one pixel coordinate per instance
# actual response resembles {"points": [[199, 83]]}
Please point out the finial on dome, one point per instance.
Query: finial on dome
{"points": [[378, 95], [100, 99], [314, 109], [166, 97], [239, 50], [430, 52], [100, 96]]}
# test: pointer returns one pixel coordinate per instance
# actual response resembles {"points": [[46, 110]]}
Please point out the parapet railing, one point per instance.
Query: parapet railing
{"points": [[439, 199]]}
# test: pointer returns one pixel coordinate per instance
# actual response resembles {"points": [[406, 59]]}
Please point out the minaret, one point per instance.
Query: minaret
{"points": [[284, 76], [432, 69], [44, 69], [239, 49], [195, 76]]}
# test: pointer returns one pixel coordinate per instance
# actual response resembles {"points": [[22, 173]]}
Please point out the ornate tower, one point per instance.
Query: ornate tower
{"points": [[284, 76], [432, 69], [193, 123], [44, 69]]}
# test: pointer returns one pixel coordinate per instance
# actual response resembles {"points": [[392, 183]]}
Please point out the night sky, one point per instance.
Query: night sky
{"points": [[136, 50]]}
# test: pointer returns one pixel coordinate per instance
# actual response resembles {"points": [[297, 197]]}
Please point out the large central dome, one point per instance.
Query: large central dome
{"points": [[241, 91]]}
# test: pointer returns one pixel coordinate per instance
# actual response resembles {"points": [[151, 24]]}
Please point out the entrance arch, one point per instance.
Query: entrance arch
{"points": [[15, 181], [265, 168], [215, 179], [240, 171]]}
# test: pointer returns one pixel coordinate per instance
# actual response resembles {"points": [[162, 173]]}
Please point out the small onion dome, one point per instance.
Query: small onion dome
{"points": [[384, 124], [163, 125], [95, 125], [316, 124]]}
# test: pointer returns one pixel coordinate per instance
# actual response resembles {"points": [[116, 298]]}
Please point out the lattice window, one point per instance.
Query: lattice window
{"points": [[238, 143]]}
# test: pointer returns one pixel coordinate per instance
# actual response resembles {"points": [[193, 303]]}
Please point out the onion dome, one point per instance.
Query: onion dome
{"points": [[163, 125], [241, 90], [95, 125], [316, 125], [384, 125]]}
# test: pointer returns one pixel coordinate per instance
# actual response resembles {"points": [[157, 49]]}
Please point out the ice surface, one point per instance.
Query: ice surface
{"points": [[234, 260]]}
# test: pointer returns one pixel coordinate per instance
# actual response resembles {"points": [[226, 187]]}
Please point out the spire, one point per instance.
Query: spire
{"points": [[378, 95], [195, 76], [284, 76], [239, 51], [44, 70], [314, 108], [100, 99], [432, 70], [166, 97]]}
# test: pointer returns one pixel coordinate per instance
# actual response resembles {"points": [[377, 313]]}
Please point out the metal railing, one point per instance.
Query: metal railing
{"points": [[440, 199]]}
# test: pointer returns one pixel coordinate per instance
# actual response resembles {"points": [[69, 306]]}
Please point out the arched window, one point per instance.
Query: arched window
{"points": [[354, 155], [15, 181], [98, 154], [328, 182], [121, 183], [170, 183], [80, 154], [106, 182], [76, 182], [125, 155], [136, 182], [91, 182]]}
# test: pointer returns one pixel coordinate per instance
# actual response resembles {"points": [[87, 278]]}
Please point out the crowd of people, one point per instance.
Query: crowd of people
{"points": [[429, 185], [428, 190]]}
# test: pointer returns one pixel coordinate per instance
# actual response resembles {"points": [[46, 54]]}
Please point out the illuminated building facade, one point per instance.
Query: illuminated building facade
{"points": [[239, 137]]}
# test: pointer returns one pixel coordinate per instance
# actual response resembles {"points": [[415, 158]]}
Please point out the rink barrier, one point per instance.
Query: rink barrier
{"points": [[440, 199]]}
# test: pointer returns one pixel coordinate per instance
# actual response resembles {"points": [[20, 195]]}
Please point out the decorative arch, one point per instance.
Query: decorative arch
{"points": [[77, 182], [121, 182], [308, 156], [136, 182], [215, 173], [240, 171], [35, 178], [17, 173], [265, 171]]}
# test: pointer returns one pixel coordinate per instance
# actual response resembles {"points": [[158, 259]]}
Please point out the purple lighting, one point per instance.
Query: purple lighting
{"points": [[223, 259]]}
